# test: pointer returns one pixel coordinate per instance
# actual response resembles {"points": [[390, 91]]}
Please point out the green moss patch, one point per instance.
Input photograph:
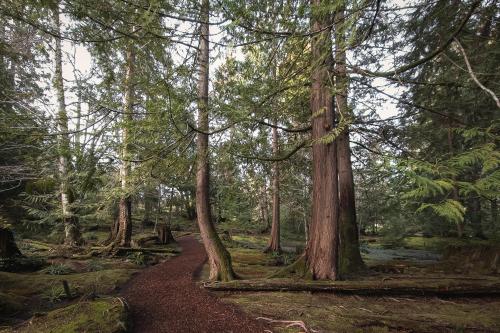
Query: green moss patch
{"points": [[100, 282], [11, 304], [107, 315]]}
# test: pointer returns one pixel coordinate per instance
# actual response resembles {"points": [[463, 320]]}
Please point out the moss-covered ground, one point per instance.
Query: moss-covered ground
{"points": [[36, 301], [416, 263], [91, 316]]}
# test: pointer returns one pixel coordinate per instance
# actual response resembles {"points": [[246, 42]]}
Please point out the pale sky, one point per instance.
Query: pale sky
{"points": [[83, 63]]}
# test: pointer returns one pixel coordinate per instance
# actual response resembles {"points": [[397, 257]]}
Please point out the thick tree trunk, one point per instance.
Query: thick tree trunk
{"points": [[70, 220], [274, 241], [322, 248], [349, 256], [218, 257], [8, 247], [124, 234]]}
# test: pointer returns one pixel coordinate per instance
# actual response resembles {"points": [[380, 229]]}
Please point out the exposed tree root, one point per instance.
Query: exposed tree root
{"points": [[289, 323], [297, 269]]}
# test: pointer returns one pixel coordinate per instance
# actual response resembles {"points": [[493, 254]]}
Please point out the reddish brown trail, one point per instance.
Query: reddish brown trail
{"points": [[165, 298]]}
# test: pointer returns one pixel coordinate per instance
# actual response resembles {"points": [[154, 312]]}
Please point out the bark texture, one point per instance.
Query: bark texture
{"points": [[218, 257], [274, 241], [322, 248], [124, 234], [72, 232], [349, 255]]}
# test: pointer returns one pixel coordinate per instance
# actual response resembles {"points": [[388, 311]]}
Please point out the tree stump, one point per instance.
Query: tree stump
{"points": [[165, 234], [8, 247]]}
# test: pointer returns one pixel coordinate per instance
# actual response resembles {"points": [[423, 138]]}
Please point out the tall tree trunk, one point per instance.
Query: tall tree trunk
{"points": [[322, 248], [274, 241], [72, 235], [218, 257], [349, 255], [124, 234]]}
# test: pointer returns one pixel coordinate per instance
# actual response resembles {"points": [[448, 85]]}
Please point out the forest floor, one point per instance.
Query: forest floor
{"points": [[416, 264], [154, 289]]}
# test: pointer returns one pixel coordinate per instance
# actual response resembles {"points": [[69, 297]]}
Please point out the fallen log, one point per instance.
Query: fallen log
{"points": [[444, 288], [140, 242], [121, 250]]}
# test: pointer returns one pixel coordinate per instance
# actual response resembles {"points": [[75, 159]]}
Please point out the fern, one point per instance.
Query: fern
{"points": [[448, 209]]}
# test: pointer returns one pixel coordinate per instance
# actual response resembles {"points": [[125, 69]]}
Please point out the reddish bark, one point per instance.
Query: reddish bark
{"points": [[274, 241], [322, 248]]}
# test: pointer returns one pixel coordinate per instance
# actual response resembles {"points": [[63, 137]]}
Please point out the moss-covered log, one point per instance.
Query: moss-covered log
{"points": [[125, 250], [417, 287], [474, 258]]}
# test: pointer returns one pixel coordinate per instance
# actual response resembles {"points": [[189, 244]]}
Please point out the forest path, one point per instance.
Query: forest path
{"points": [[165, 298]]}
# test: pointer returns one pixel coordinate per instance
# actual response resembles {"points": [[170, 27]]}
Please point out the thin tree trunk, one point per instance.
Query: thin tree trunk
{"points": [[72, 233], [125, 206], [476, 217], [274, 241], [494, 213], [150, 196], [454, 193], [218, 257], [349, 255], [322, 249], [170, 207], [263, 208]]}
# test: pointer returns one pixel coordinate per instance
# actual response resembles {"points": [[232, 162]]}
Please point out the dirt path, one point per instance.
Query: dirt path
{"points": [[165, 298]]}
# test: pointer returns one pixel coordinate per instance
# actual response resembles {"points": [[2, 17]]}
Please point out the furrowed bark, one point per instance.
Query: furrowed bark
{"points": [[349, 254], [322, 248], [218, 257], [72, 234], [274, 241]]}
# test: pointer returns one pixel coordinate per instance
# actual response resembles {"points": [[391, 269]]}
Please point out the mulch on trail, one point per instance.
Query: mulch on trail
{"points": [[165, 298]]}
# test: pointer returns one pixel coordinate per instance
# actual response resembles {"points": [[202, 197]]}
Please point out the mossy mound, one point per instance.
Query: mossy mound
{"points": [[21, 264], [11, 304], [476, 259], [106, 315], [100, 282]]}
